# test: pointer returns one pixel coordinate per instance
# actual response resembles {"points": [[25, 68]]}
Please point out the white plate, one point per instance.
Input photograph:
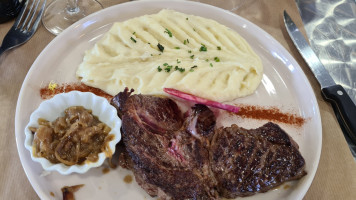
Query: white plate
{"points": [[284, 85]]}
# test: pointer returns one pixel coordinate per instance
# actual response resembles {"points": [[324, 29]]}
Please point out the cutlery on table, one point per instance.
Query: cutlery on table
{"points": [[23, 28], [344, 108]]}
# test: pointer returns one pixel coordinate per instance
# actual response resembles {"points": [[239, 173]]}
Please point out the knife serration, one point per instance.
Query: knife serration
{"points": [[318, 69]]}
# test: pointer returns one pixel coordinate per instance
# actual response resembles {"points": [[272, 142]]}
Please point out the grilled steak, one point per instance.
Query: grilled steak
{"points": [[182, 156], [169, 154], [249, 161]]}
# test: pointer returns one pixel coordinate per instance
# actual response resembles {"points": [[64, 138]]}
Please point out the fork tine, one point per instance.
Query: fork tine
{"points": [[38, 18], [33, 14], [18, 19], [28, 14]]}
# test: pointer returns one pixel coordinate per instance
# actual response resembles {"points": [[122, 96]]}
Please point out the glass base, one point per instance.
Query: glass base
{"points": [[231, 5], [58, 16]]}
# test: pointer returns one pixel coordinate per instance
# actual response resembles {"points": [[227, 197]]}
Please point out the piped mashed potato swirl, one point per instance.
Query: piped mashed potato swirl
{"points": [[200, 57]]}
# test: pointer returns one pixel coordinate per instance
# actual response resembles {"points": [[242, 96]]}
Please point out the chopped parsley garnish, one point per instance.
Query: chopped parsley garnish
{"points": [[151, 54], [203, 48], [177, 47], [186, 18], [168, 68], [148, 43], [217, 59], [219, 48], [186, 41], [160, 47], [192, 56], [179, 69], [189, 51], [178, 61], [133, 33], [211, 64], [131, 38], [193, 29], [192, 68], [168, 32], [207, 60]]}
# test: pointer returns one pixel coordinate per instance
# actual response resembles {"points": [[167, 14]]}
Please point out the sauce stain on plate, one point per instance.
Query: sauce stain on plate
{"points": [[106, 170], [128, 179]]}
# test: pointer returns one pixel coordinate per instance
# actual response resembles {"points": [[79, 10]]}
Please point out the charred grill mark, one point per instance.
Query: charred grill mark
{"points": [[119, 101], [262, 159]]}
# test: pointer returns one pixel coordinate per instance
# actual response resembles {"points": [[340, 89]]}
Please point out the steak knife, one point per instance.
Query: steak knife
{"points": [[344, 108]]}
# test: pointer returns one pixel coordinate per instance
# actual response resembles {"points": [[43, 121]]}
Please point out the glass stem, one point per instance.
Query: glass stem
{"points": [[72, 6]]}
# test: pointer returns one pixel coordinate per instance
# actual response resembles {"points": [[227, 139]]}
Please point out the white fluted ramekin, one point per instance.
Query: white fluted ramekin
{"points": [[53, 108]]}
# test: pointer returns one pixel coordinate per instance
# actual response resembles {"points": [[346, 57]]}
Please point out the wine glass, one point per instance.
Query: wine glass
{"points": [[231, 5], [60, 14]]}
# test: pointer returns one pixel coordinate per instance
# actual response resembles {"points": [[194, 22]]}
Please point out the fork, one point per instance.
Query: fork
{"points": [[23, 29]]}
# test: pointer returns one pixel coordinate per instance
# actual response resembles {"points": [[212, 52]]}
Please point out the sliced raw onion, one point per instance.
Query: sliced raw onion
{"points": [[200, 100]]}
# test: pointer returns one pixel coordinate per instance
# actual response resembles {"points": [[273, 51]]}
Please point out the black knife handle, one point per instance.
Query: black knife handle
{"points": [[345, 108]]}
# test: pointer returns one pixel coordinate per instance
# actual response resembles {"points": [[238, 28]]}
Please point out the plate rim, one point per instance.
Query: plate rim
{"points": [[279, 46]]}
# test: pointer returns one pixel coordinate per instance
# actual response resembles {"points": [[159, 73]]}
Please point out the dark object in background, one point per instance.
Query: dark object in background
{"points": [[9, 9]]}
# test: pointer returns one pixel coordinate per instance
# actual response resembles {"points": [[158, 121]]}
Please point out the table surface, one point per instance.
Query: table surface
{"points": [[336, 174]]}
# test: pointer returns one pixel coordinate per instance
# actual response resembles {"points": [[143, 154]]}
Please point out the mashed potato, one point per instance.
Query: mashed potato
{"points": [[172, 49]]}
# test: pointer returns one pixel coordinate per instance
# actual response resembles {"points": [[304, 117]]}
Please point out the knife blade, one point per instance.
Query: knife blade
{"points": [[344, 108]]}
